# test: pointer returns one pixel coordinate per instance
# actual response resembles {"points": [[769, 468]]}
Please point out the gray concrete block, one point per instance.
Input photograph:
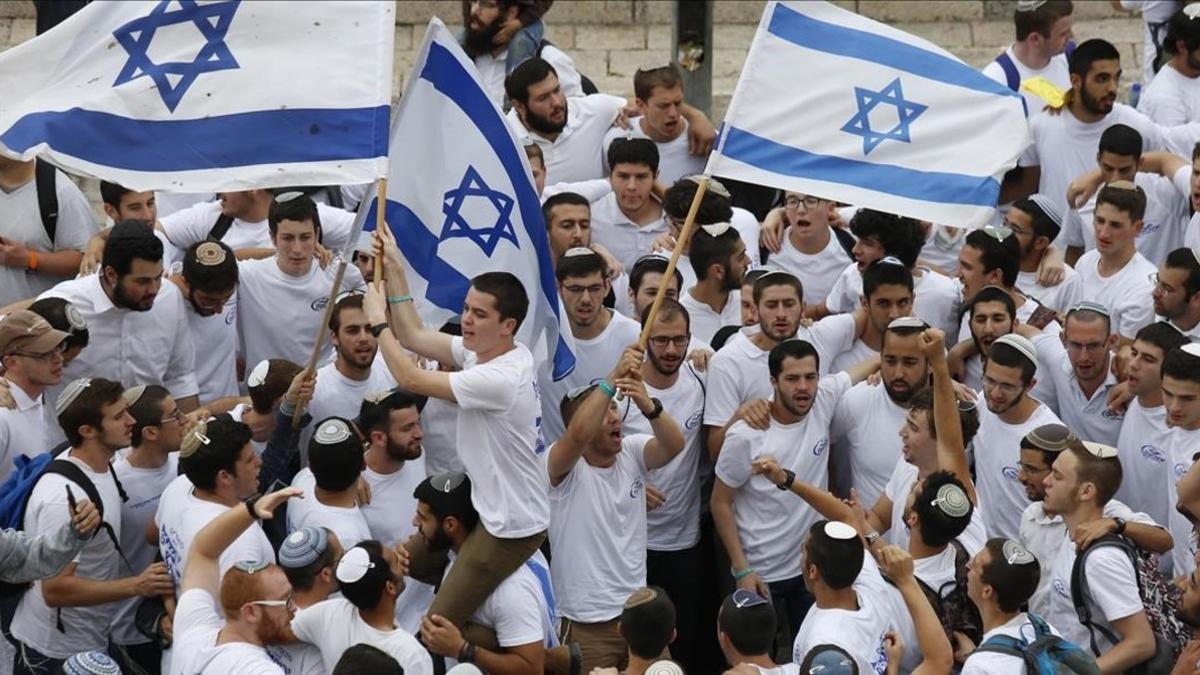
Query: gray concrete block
{"points": [[22, 30], [17, 9], [624, 63], [944, 10], [737, 11], [611, 37], [945, 34]]}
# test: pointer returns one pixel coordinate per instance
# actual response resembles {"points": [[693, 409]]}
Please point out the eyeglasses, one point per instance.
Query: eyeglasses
{"points": [[997, 233], [45, 356], [743, 598], [1032, 470], [809, 202], [1157, 283], [173, 417], [1009, 389], [290, 603], [573, 289], [661, 341]]}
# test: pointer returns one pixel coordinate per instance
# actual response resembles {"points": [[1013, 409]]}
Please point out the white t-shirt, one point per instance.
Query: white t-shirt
{"points": [[739, 371], [598, 534], [500, 440], [575, 155], [1144, 461], [151, 347], [389, 518], [1168, 209], [1126, 294], [336, 395], [675, 525], [86, 628], [1112, 586], [627, 240], [334, 625], [993, 663], [1090, 418], [1181, 446], [439, 424], [594, 360], [22, 429], [704, 321], [1042, 534], [1055, 71], [181, 514], [521, 610], [674, 160], [860, 632], [197, 624], [866, 425], [818, 272], [188, 226], [1059, 298], [858, 352], [278, 314], [346, 522], [144, 487], [216, 360], [997, 453], [1171, 98], [1065, 147], [23, 224], [772, 523]]}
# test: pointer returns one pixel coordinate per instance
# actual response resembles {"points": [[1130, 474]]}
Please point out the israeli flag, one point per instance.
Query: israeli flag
{"points": [[206, 97], [461, 199], [836, 105]]}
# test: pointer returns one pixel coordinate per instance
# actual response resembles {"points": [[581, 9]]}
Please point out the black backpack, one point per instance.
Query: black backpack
{"points": [[45, 179], [954, 608], [10, 593], [1048, 654]]}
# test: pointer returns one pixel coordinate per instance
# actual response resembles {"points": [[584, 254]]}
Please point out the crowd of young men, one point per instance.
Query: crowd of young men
{"points": [[851, 441]]}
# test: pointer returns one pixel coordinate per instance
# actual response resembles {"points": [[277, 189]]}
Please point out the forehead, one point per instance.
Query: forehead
{"points": [[1018, 217], [891, 292], [1172, 275], [594, 276], [1111, 212], [631, 167], [549, 83], [1149, 349], [405, 415], [901, 345], [1002, 373], [1104, 66], [1117, 160], [1065, 461], [1179, 386], [570, 212], [970, 253], [674, 325], [1033, 457], [793, 365], [477, 299], [778, 292], [141, 267], [659, 93], [990, 307], [352, 315], [295, 227], [1077, 326]]}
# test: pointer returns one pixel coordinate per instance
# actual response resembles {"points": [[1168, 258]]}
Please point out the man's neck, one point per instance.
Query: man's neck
{"points": [[33, 391], [1081, 113], [109, 292], [1081, 515], [351, 371], [598, 459], [919, 549], [782, 415], [378, 460], [872, 336], [1152, 400], [764, 341], [1089, 387], [812, 244], [761, 660], [926, 466], [650, 212], [552, 137], [595, 328], [1018, 298], [1029, 56], [222, 497], [845, 598], [146, 456], [994, 617], [710, 293], [1188, 321], [1020, 412], [93, 454], [659, 380], [235, 632], [383, 617], [14, 174], [340, 498], [1116, 261], [306, 599], [1180, 63], [502, 347], [1030, 262]]}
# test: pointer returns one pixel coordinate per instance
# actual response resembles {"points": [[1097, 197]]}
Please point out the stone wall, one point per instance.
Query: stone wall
{"points": [[610, 39]]}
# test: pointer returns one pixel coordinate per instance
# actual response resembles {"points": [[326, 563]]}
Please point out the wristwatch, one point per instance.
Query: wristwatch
{"points": [[467, 653], [658, 410], [1120, 526], [250, 502], [871, 538], [789, 477], [378, 328]]}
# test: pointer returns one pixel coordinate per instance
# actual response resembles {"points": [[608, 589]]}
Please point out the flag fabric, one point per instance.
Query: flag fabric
{"points": [[178, 95], [836, 105], [461, 199]]}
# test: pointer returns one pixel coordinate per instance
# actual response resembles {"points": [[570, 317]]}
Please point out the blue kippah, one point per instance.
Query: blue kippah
{"points": [[91, 663], [303, 547]]}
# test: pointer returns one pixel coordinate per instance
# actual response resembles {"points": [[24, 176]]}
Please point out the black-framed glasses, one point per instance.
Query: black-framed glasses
{"points": [[809, 202], [661, 341], [744, 598], [59, 351], [166, 419]]}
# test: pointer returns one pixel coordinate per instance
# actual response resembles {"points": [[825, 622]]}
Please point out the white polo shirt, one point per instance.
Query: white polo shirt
{"points": [[151, 347], [739, 372], [626, 240], [935, 297], [1059, 298], [1090, 418], [347, 522], [22, 429], [1171, 98], [705, 321], [575, 155], [874, 448], [1112, 592], [336, 395], [1126, 294]]}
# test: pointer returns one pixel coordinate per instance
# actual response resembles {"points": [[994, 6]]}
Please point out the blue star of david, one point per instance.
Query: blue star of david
{"points": [[213, 22], [860, 123], [472, 185]]}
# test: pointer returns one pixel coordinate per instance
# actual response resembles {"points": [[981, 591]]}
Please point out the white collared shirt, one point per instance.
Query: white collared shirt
{"points": [[575, 155], [22, 430], [1090, 418], [627, 240], [151, 347], [493, 69]]}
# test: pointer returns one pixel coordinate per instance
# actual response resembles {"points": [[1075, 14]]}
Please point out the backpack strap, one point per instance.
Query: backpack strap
{"points": [[45, 178], [1012, 78], [1079, 588], [220, 228]]}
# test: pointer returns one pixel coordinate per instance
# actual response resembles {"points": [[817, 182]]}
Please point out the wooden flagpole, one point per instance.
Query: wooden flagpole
{"points": [[322, 330], [681, 243], [380, 222]]}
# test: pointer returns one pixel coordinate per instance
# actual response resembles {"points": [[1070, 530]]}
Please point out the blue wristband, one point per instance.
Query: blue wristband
{"points": [[393, 300], [607, 388], [738, 576]]}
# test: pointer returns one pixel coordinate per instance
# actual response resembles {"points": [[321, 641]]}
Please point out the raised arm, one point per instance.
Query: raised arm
{"points": [[668, 438], [823, 501], [202, 569], [897, 565], [24, 558], [951, 448], [408, 375], [404, 320]]}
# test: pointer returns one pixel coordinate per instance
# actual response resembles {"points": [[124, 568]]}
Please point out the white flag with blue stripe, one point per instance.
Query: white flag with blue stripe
{"points": [[833, 104], [461, 199], [206, 97]]}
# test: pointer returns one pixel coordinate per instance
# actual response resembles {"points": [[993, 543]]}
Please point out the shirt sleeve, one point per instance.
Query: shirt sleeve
{"points": [[1166, 109], [336, 227], [1135, 315], [307, 623], [197, 608], [843, 420], [733, 464], [833, 335], [488, 386], [76, 225], [180, 375], [722, 396], [1113, 584], [188, 226], [592, 190], [518, 615], [1073, 229], [1182, 180]]}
